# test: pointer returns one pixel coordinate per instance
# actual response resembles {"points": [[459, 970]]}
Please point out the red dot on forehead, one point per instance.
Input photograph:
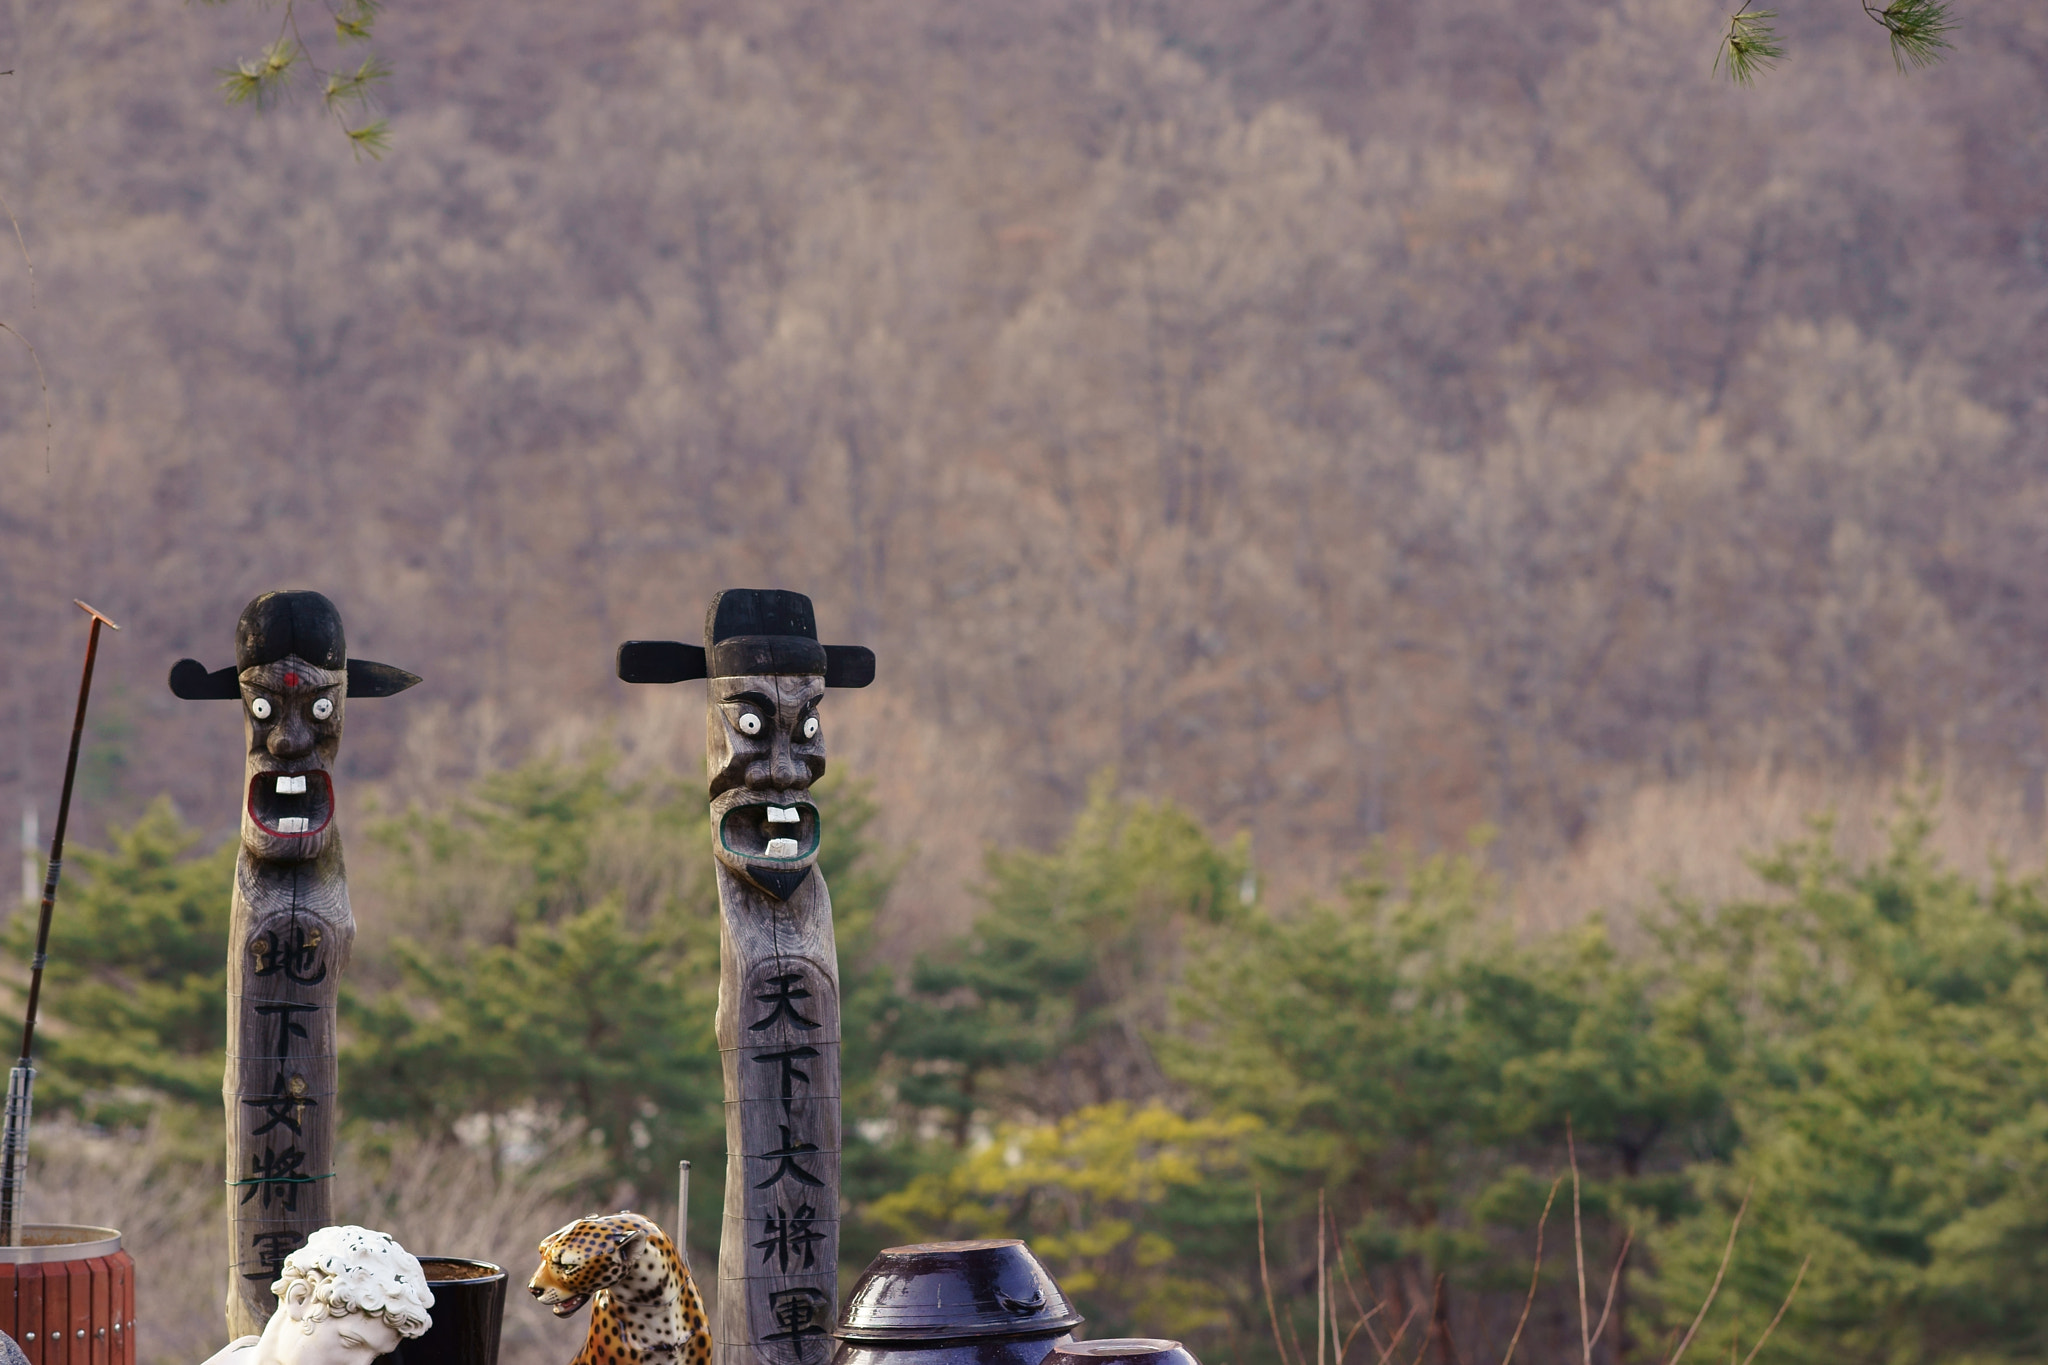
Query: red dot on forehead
{"points": [[291, 680]]}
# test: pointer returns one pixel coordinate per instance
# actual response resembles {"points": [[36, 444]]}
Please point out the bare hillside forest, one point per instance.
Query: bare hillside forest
{"points": [[1353, 421]]}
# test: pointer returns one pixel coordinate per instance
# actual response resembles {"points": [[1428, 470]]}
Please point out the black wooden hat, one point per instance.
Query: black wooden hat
{"points": [[748, 632], [281, 625]]}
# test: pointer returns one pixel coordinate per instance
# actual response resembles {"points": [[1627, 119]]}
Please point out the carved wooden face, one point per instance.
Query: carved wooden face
{"points": [[291, 714], [765, 746]]}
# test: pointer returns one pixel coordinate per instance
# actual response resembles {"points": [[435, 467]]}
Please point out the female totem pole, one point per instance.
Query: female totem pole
{"points": [[291, 931], [778, 989]]}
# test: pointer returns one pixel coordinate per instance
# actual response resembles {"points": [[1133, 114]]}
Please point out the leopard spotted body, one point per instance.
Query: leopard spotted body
{"points": [[644, 1307]]}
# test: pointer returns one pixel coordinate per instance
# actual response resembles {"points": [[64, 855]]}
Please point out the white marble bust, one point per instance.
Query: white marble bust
{"points": [[344, 1298]]}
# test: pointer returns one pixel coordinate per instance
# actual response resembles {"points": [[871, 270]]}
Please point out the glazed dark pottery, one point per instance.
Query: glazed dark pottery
{"points": [[955, 1303], [1123, 1351], [971, 1351], [469, 1310]]}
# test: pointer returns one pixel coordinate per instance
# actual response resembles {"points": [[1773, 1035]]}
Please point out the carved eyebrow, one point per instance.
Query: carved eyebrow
{"points": [[754, 699]]}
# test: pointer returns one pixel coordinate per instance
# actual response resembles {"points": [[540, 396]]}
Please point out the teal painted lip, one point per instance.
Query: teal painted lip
{"points": [[748, 832]]}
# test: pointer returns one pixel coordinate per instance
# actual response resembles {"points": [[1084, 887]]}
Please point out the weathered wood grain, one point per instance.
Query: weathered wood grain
{"points": [[778, 1035], [290, 936], [289, 939]]}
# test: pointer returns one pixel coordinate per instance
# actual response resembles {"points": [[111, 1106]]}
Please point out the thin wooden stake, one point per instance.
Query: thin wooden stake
{"points": [[1259, 1207], [1387, 1354], [1435, 1290], [1365, 1318], [1796, 1279], [1534, 1275], [1613, 1280], [1726, 1252], [1322, 1298], [1578, 1243]]}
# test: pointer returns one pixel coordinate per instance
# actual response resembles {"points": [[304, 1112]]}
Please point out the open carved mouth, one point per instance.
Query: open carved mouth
{"points": [[291, 805], [770, 833], [562, 1308]]}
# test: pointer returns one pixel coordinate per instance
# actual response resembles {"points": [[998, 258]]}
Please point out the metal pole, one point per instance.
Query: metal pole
{"points": [[21, 1080], [682, 1238]]}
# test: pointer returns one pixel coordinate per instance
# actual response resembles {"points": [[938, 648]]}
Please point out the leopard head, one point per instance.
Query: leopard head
{"points": [[582, 1258]]}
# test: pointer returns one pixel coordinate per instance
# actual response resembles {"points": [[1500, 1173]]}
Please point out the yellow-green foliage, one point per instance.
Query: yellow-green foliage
{"points": [[1082, 1190]]}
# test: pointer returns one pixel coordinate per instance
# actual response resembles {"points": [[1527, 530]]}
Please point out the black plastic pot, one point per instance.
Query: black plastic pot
{"points": [[955, 1303], [469, 1311]]}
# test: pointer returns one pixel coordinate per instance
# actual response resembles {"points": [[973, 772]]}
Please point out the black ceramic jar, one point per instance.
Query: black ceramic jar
{"points": [[954, 1303], [1123, 1351]]}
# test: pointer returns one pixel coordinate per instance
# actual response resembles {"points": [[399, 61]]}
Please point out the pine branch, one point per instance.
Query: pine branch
{"points": [[261, 78], [352, 22], [355, 87], [371, 140], [1750, 45], [1917, 28]]}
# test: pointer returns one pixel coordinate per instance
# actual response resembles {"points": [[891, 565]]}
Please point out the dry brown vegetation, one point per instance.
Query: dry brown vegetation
{"points": [[432, 1198], [1349, 420]]}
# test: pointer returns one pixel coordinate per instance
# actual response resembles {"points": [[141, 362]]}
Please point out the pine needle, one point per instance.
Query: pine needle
{"points": [[352, 22], [1751, 44], [1918, 30], [260, 78], [371, 140], [355, 87]]}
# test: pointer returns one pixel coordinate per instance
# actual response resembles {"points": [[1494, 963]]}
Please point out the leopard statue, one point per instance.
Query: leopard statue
{"points": [[644, 1307]]}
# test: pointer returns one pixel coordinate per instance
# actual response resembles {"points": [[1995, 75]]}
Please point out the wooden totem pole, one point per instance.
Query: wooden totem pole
{"points": [[291, 932], [778, 992]]}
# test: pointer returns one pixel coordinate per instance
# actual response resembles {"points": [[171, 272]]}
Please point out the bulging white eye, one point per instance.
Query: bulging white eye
{"points": [[323, 707], [259, 707], [810, 727], [750, 724]]}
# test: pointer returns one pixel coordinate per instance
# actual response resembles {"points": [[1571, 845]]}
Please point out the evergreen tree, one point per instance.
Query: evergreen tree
{"points": [[1890, 1097], [1046, 1004], [131, 1008], [560, 973]]}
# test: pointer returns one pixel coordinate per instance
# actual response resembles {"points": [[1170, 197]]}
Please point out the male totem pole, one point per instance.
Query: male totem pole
{"points": [[291, 931], [778, 988]]}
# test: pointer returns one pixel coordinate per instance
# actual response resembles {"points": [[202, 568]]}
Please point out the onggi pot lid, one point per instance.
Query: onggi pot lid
{"points": [[943, 1291]]}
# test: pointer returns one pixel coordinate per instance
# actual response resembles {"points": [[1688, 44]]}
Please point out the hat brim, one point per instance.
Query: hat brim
{"points": [[672, 661], [191, 681]]}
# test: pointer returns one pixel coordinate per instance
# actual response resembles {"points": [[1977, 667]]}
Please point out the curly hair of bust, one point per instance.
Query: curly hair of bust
{"points": [[355, 1270]]}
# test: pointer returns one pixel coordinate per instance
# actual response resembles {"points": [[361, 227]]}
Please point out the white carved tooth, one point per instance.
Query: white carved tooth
{"points": [[781, 848], [291, 786], [782, 815], [293, 824]]}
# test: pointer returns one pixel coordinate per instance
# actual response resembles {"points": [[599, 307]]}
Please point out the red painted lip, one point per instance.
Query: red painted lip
{"points": [[316, 806]]}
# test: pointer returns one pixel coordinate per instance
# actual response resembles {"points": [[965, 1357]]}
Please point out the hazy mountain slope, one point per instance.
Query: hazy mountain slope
{"points": [[1347, 419]]}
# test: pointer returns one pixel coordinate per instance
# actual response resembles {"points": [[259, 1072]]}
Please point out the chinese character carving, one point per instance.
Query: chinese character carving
{"points": [[291, 928], [778, 998], [790, 1235]]}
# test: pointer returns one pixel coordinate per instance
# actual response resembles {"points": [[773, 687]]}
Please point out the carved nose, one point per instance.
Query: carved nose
{"points": [[290, 737], [535, 1290]]}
